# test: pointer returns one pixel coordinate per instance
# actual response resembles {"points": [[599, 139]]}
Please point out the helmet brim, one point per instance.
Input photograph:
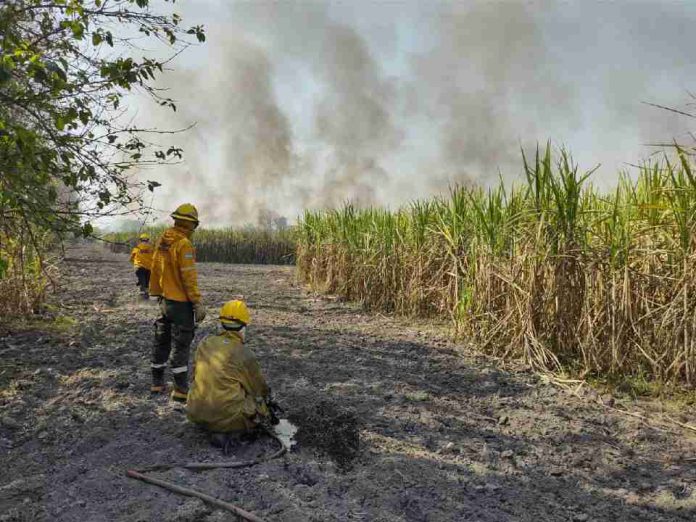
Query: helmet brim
{"points": [[184, 217], [231, 321]]}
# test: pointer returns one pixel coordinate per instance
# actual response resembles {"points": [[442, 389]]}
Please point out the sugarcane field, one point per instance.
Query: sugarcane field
{"points": [[347, 261]]}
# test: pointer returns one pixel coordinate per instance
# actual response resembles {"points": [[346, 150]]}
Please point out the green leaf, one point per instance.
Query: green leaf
{"points": [[85, 116], [5, 74], [78, 29]]}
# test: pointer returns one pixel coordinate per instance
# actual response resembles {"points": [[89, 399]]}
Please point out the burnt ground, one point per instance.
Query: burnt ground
{"points": [[445, 434]]}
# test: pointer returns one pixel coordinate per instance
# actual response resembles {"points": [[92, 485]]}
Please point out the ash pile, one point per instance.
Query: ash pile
{"points": [[331, 429]]}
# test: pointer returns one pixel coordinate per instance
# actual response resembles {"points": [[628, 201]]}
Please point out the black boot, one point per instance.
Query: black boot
{"points": [[158, 385], [180, 391]]}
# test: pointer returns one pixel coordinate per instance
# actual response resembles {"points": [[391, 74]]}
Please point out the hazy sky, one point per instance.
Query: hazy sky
{"points": [[306, 105]]}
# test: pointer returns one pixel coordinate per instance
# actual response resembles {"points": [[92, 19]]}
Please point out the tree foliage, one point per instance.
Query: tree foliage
{"points": [[67, 145]]}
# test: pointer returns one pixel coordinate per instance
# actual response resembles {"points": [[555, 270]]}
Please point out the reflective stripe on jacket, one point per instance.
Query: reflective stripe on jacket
{"points": [[174, 275], [228, 389], [141, 256]]}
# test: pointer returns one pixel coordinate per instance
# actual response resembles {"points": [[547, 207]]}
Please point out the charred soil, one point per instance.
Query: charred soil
{"points": [[443, 434]]}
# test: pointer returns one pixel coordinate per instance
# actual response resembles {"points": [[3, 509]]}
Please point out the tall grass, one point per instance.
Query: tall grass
{"points": [[552, 270], [25, 271], [247, 245]]}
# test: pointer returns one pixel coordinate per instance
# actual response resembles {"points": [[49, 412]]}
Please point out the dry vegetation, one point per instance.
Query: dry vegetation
{"points": [[252, 245], [552, 271], [248, 245], [24, 274]]}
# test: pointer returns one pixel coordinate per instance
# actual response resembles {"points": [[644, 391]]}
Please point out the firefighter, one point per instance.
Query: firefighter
{"points": [[229, 395], [141, 258], [175, 283]]}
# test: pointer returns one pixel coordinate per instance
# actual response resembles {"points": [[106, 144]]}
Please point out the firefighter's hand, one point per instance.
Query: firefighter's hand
{"points": [[199, 312], [162, 306]]}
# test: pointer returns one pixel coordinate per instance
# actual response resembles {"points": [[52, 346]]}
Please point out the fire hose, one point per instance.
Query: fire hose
{"points": [[140, 474]]}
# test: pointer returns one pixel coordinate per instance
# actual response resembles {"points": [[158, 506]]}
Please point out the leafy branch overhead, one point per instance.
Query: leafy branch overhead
{"points": [[67, 145]]}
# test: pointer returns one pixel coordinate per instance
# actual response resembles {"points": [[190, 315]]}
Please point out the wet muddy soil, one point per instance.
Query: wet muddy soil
{"points": [[444, 434]]}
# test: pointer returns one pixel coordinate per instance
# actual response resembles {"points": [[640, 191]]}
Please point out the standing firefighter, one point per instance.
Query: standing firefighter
{"points": [[141, 257], [175, 282], [228, 392]]}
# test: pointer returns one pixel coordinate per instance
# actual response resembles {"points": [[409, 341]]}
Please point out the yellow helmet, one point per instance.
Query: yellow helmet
{"points": [[235, 312], [186, 212], [144, 237]]}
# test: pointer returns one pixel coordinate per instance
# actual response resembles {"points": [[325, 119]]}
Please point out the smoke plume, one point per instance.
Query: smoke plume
{"points": [[487, 62], [353, 119], [309, 105]]}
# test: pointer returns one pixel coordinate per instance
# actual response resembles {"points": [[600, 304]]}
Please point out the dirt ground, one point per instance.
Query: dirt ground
{"points": [[445, 434]]}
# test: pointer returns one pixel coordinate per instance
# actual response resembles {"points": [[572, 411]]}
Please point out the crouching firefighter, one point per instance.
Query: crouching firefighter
{"points": [[229, 395], [141, 258], [175, 282]]}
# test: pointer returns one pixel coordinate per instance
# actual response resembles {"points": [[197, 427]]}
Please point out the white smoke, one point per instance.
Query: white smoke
{"points": [[302, 105]]}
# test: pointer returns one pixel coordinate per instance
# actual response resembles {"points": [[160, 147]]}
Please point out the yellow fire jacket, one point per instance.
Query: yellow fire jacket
{"points": [[228, 389], [141, 256], [174, 274]]}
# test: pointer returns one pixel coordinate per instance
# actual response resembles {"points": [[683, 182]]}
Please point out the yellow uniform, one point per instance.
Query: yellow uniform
{"points": [[141, 256], [175, 282], [228, 391], [174, 274]]}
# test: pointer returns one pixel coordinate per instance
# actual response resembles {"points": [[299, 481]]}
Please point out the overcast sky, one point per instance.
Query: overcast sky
{"points": [[306, 105]]}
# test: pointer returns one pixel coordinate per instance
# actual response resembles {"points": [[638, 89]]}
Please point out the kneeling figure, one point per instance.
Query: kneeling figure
{"points": [[228, 393]]}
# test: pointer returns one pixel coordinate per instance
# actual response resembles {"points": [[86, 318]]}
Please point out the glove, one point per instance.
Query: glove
{"points": [[162, 306], [273, 417], [199, 312], [274, 410]]}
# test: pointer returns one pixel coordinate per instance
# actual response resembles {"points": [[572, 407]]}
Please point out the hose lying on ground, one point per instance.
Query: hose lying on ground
{"points": [[246, 515], [139, 474]]}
